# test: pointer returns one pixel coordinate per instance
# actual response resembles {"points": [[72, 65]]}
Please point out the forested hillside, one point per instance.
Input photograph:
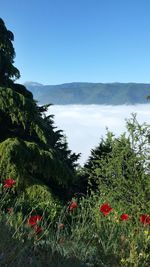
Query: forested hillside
{"points": [[90, 93]]}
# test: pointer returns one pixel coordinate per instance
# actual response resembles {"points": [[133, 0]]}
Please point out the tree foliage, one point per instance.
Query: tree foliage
{"points": [[120, 166], [8, 71], [32, 150], [33, 142]]}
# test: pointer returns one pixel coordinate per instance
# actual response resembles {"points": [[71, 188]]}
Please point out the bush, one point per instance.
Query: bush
{"points": [[123, 172]]}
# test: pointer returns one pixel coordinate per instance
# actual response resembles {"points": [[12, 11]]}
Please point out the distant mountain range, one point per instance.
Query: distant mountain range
{"points": [[90, 93]]}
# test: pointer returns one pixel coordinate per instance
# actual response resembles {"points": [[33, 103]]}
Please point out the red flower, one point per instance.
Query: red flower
{"points": [[37, 229], [8, 183], [145, 219], [124, 217], [72, 206], [33, 220], [61, 226], [105, 209]]}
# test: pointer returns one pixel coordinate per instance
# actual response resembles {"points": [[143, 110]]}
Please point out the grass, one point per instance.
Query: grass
{"points": [[78, 237]]}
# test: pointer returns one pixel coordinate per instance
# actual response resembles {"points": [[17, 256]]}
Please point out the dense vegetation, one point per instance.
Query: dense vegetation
{"points": [[91, 93], [32, 151], [54, 213], [7, 54]]}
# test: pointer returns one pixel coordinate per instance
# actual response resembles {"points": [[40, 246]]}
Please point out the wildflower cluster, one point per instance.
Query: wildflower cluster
{"points": [[106, 209], [35, 220]]}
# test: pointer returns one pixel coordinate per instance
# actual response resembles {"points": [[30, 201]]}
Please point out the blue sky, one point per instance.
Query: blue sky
{"points": [[59, 41]]}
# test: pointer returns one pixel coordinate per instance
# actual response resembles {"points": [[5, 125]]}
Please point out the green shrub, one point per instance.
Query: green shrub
{"points": [[123, 172]]}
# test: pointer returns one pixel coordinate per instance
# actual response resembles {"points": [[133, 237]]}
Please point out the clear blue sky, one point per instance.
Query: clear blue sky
{"points": [[58, 41]]}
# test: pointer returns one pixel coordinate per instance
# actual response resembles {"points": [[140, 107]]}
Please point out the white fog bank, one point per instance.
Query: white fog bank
{"points": [[84, 125]]}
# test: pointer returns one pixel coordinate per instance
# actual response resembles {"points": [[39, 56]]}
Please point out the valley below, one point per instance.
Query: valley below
{"points": [[84, 125]]}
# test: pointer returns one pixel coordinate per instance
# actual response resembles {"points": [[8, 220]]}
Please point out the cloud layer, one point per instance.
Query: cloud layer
{"points": [[84, 125]]}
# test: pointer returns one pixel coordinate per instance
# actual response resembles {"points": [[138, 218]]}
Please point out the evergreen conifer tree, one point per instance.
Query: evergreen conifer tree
{"points": [[32, 151], [7, 55]]}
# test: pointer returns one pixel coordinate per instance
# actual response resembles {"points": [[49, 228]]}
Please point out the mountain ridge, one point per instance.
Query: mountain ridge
{"points": [[115, 93]]}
